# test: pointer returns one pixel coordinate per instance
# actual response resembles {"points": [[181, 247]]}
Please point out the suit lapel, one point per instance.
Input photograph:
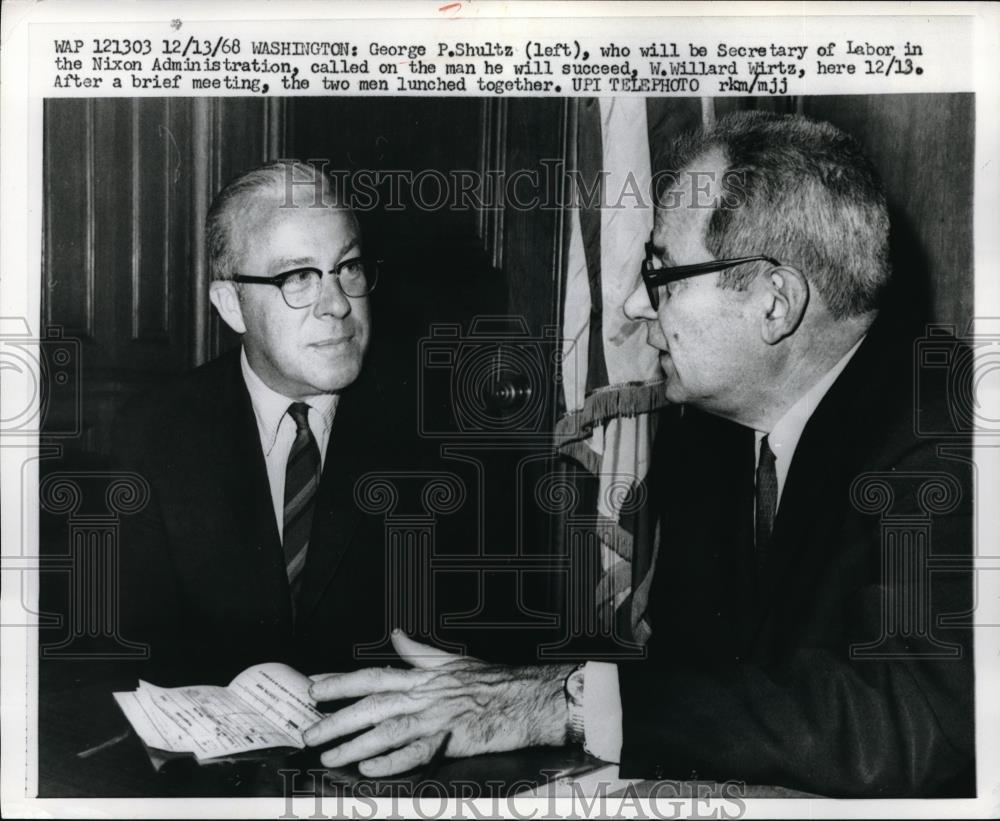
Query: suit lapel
{"points": [[336, 516], [831, 452], [244, 473], [812, 477]]}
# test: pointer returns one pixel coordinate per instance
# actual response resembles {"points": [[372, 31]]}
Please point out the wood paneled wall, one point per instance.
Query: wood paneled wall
{"points": [[923, 146], [117, 259]]}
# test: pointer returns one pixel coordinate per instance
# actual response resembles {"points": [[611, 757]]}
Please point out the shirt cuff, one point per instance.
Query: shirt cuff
{"points": [[602, 711]]}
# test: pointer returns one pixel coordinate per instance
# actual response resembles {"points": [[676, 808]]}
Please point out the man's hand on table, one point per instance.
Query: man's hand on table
{"points": [[485, 707]]}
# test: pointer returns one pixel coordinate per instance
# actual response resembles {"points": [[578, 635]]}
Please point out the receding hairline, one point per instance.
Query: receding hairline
{"points": [[259, 217], [263, 194]]}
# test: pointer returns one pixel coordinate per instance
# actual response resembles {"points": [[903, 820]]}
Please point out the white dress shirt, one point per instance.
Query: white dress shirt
{"points": [[602, 703], [277, 430]]}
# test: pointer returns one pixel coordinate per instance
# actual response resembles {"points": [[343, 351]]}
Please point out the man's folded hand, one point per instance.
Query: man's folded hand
{"points": [[409, 714]]}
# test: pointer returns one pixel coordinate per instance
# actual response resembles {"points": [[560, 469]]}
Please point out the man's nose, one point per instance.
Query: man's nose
{"points": [[332, 299], [637, 306]]}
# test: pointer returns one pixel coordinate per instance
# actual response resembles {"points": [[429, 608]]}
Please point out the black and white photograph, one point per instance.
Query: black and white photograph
{"points": [[487, 439]]}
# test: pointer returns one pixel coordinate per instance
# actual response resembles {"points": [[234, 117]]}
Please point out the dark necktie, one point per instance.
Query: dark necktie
{"points": [[301, 480], [766, 501]]}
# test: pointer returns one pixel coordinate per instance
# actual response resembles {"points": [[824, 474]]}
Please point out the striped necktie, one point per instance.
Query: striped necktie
{"points": [[301, 480], [766, 497]]}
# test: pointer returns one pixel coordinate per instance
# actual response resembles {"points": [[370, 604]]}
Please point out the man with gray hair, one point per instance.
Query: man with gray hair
{"points": [[797, 639], [251, 549]]}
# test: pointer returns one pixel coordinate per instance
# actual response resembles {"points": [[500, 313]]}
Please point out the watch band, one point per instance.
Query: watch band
{"points": [[573, 690]]}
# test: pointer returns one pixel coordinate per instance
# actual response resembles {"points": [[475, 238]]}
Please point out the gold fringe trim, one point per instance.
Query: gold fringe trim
{"points": [[611, 402]]}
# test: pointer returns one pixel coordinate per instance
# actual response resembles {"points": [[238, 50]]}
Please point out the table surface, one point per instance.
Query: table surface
{"points": [[87, 749]]}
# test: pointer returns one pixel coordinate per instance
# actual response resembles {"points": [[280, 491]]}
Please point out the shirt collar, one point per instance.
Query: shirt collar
{"points": [[270, 407], [784, 436]]}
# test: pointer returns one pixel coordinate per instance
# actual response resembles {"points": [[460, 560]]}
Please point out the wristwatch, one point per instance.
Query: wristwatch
{"points": [[573, 690]]}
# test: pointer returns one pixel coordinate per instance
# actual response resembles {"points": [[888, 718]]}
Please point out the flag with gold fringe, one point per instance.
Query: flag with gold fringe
{"points": [[611, 378]]}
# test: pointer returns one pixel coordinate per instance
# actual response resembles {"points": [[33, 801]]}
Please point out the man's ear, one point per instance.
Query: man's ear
{"points": [[226, 300], [787, 292]]}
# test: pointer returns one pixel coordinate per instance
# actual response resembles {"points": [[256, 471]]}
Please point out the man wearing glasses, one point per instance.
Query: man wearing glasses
{"points": [[251, 548], [796, 642]]}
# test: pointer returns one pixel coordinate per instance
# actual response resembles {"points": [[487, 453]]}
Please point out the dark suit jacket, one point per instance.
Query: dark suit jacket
{"points": [[753, 678], [203, 577]]}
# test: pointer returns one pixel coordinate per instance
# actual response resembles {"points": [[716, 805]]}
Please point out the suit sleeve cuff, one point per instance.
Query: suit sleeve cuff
{"points": [[602, 711]]}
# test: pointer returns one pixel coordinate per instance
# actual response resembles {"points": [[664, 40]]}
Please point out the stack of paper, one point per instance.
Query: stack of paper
{"points": [[263, 707]]}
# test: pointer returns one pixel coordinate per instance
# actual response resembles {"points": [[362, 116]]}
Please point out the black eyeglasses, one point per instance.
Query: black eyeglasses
{"points": [[301, 288], [654, 276]]}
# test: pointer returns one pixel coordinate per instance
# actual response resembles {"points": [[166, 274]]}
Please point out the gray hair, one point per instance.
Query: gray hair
{"points": [[803, 192], [288, 183]]}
